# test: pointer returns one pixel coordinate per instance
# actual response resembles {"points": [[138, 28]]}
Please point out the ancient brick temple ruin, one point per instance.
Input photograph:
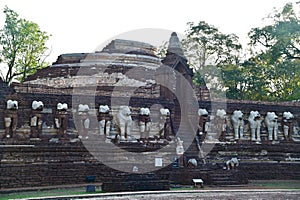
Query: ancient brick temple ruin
{"points": [[45, 121]]}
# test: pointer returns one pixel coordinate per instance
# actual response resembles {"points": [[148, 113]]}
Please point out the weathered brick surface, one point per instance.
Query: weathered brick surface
{"points": [[136, 182], [49, 164], [55, 164]]}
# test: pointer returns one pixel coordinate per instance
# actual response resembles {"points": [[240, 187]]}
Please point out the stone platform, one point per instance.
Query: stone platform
{"points": [[32, 164]]}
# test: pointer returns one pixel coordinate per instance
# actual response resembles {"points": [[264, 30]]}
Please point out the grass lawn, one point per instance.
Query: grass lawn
{"points": [[272, 184], [45, 193], [276, 184]]}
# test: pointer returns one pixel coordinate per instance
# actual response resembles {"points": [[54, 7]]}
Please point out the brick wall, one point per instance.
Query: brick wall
{"points": [[43, 164], [49, 164]]}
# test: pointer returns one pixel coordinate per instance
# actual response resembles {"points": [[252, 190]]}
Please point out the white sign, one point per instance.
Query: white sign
{"points": [[158, 162]]}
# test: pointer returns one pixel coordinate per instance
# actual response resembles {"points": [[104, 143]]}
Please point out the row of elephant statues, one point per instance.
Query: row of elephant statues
{"points": [[36, 119], [124, 121], [255, 121]]}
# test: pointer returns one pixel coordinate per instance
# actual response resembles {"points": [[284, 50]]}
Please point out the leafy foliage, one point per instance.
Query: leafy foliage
{"points": [[23, 47], [276, 48], [205, 48], [206, 45], [272, 73]]}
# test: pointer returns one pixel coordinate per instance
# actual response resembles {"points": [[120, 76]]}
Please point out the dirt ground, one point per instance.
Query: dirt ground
{"points": [[209, 195]]}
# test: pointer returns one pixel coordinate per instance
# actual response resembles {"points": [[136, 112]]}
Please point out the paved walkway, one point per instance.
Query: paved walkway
{"points": [[212, 194]]}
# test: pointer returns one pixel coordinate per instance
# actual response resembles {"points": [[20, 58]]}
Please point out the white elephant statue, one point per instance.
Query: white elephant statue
{"points": [[287, 122], [232, 163], [221, 123], [238, 124], [11, 118], [164, 123], [202, 112], [37, 105], [192, 162], [104, 120], [104, 109], [255, 125], [36, 118], [12, 105], [164, 112], [83, 108], [84, 121], [62, 106], [271, 121], [221, 113], [202, 125], [124, 121], [144, 123], [61, 119]]}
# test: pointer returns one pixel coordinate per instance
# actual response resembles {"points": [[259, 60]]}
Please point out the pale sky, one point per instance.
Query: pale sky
{"points": [[80, 26]]}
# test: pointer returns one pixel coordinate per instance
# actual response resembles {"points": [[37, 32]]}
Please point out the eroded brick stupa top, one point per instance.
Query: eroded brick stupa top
{"points": [[107, 67], [130, 47]]}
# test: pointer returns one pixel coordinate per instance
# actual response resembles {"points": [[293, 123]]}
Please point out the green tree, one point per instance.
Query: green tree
{"points": [[276, 48], [206, 45], [214, 57], [234, 81], [23, 47]]}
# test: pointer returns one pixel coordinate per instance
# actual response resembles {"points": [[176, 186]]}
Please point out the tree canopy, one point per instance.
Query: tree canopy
{"points": [[23, 47], [270, 73], [276, 48], [205, 44]]}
